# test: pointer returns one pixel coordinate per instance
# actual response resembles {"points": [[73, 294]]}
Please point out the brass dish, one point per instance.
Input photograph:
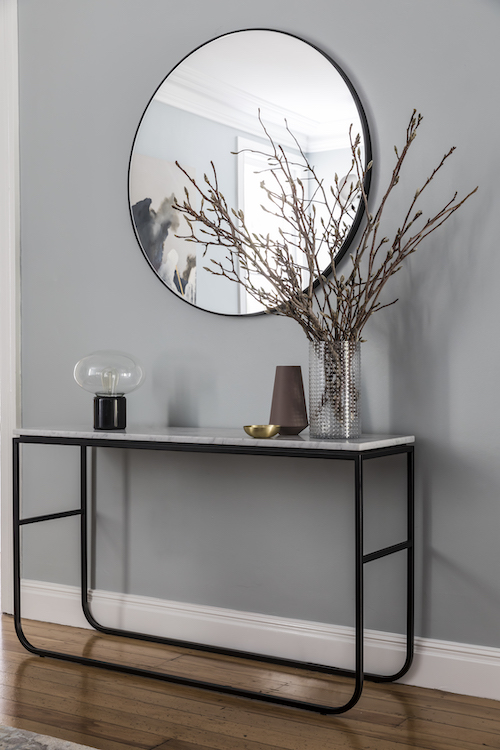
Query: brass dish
{"points": [[262, 430]]}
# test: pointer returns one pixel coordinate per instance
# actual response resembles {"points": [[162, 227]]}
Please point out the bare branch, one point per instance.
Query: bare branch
{"points": [[327, 308]]}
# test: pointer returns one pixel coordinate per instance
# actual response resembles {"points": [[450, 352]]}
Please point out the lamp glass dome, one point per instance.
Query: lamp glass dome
{"points": [[109, 373]]}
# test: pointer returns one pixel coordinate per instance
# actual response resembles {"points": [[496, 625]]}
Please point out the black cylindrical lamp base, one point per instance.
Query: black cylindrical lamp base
{"points": [[110, 413]]}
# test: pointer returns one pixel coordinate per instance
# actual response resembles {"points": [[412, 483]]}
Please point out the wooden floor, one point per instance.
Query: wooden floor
{"points": [[111, 711]]}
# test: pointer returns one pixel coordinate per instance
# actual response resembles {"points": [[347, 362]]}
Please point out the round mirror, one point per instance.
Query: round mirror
{"points": [[212, 109]]}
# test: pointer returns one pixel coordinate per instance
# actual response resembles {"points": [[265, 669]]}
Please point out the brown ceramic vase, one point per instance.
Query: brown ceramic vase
{"points": [[288, 407]]}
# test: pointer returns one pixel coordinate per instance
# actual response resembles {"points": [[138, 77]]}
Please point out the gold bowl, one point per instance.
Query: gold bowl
{"points": [[262, 430]]}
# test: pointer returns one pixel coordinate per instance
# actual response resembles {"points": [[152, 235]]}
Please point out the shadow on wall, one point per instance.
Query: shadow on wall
{"points": [[183, 408], [435, 311], [429, 333], [181, 384], [453, 541], [115, 530]]}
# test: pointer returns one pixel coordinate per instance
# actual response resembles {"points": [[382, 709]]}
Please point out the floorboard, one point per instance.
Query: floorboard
{"points": [[112, 711]]}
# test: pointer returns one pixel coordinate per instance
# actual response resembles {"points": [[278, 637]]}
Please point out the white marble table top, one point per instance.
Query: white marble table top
{"points": [[222, 436]]}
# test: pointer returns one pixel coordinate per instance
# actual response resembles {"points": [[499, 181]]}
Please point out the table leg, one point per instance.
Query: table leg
{"points": [[359, 619], [409, 546]]}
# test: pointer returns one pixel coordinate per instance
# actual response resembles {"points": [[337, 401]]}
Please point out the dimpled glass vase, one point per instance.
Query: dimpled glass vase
{"points": [[334, 389]]}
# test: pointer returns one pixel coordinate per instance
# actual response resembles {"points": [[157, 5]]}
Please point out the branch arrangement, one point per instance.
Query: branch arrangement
{"points": [[314, 222]]}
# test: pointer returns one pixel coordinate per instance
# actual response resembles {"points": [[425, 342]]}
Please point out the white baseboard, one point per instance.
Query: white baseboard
{"points": [[454, 667]]}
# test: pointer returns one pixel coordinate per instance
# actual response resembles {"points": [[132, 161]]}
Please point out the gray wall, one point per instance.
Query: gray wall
{"points": [[191, 528]]}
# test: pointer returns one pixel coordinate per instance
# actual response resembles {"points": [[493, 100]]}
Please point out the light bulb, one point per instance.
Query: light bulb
{"points": [[109, 375], [110, 378]]}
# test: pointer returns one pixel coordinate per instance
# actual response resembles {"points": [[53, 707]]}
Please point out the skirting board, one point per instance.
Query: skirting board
{"points": [[453, 667]]}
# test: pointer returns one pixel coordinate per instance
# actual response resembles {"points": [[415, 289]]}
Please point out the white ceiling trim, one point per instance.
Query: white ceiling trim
{"points": [[205, 96]]}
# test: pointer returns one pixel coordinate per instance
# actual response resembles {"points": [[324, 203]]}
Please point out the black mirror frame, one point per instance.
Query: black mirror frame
{"points": [[367, 145]]}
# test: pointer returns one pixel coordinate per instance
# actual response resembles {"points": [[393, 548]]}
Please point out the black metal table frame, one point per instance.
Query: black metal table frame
{"points": [[357, 457]]}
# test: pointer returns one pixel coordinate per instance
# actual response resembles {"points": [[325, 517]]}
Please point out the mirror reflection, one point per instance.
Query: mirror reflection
{"points": [[211, 108]]}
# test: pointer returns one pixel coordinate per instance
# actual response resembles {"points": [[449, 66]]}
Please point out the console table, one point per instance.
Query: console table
{"points": [[228, 441]]}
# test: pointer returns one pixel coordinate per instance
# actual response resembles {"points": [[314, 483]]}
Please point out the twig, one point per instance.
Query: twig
{"points": [[327, 308]]}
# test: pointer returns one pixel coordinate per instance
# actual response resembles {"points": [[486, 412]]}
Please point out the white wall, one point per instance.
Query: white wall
{"points": [[9, 275], [430, 364]]}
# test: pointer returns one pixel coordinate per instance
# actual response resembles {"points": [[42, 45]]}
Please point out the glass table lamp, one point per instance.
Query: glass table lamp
{"points": [[109, 375]]}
